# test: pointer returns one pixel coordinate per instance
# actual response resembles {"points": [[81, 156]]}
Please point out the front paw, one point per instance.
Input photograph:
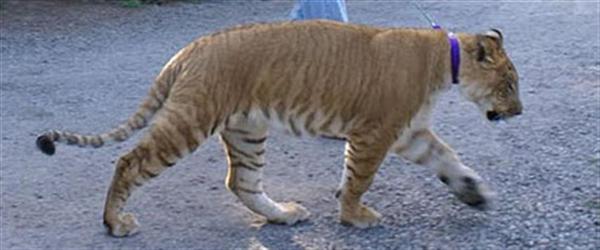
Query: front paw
{"points": [[361, 217], [473, 192]]}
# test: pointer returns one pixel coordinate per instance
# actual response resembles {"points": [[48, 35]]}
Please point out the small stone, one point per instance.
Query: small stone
{"points": [[583, 132]]}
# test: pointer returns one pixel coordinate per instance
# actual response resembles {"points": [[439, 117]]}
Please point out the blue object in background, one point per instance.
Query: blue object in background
{"points": [[320, 9]]}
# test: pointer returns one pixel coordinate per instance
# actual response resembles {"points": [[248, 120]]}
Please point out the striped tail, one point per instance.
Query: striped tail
{"points": [[140, 119]]}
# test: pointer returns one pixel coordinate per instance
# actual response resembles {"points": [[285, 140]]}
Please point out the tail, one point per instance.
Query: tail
{"points": [[139, 120]]}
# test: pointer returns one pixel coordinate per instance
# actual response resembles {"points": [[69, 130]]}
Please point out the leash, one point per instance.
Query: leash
{"points": [[429, 18], [452, 40]]}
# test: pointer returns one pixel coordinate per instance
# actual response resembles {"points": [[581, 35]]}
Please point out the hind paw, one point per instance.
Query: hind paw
{"points": [[292, 214], [125, 225]]}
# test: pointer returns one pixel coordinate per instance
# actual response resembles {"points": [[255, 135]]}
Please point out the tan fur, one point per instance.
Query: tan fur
{"points": [[318, 78]]}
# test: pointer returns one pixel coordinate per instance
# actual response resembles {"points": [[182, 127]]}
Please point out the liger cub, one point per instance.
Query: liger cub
{"points": [[374, 87]]}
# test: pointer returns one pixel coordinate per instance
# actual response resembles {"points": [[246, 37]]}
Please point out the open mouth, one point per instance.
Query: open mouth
{"points": [[493, 116]]}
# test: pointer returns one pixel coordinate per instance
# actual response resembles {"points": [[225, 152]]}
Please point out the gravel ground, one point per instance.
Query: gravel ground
{"points": [[85, 66]]}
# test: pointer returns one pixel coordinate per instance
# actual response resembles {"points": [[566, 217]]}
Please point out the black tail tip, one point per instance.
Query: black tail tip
{"points": [[45, 144]]}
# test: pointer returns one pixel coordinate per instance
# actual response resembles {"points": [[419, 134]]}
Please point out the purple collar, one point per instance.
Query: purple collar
{"points": [[454, 53], [454, 56]]}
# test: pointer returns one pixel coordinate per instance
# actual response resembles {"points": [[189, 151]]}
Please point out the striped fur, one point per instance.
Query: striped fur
{"points": [[374, 87]]}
